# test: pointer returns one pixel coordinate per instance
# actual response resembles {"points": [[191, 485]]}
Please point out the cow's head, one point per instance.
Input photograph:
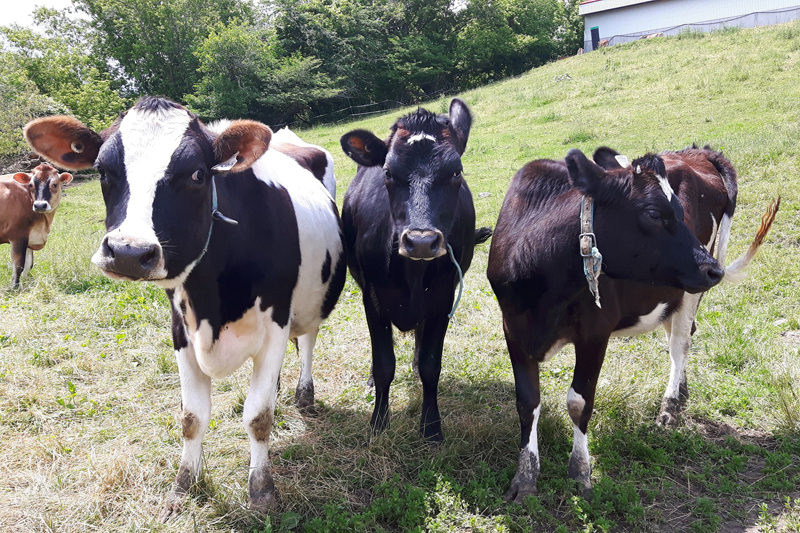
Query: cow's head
{"points": [[44, 185], [156, 164], [422, 172], [639, 223]]}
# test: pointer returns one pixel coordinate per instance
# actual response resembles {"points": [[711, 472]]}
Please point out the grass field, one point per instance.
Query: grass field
{"points": [[90, 435]]}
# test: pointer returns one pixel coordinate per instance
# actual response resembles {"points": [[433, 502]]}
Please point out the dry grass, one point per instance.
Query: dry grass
{"points": [[89, 393]]}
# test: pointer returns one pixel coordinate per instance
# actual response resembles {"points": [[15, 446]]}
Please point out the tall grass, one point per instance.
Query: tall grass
{"points": [[89, 392]]}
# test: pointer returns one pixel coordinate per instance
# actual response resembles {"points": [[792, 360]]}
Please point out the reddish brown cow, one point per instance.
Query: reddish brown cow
{"points": [[28, 204], [656, 223]]}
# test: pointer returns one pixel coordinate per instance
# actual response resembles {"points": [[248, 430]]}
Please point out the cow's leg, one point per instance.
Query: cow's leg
{"points": [[428, 353], [526, 384], [195, 416], [304, 394], [383, 362], [589, 355], [259, 411], [19, 255], [679, 336], [28, 262]]}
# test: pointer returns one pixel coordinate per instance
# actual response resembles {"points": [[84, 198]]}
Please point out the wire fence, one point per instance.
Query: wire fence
{"points": [[750, 20], [359, 111]]}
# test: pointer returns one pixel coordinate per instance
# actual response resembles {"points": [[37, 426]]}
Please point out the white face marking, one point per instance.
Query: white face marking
{"points": [[646, 323], [713, 232], [665, 186], [420, 137], [149, 139]]}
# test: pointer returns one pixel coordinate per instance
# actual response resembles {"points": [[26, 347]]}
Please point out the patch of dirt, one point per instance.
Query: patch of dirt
{"points": [[792, 338]]}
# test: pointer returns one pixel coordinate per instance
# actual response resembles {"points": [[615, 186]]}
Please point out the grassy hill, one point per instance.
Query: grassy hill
{"points": [[89, 391]]}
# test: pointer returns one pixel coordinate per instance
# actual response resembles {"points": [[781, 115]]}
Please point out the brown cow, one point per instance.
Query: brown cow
{"points": [[28, 204], [656, 222]]}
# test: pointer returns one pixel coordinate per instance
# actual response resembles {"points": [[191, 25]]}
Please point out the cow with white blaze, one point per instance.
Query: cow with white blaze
{"points": [[28, 203], [244, 238], [584, 251], [409, 226]]}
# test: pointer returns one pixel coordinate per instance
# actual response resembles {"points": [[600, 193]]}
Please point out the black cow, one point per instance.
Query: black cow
{"points": [[241, 283], [406, 213], [655, 223]]}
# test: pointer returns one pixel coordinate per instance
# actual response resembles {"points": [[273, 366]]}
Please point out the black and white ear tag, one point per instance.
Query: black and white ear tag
{"points": [[226, 165], [622, 160]]}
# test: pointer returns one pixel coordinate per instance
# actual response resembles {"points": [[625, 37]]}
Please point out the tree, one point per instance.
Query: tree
{"points": [[242, 76], [154, 43], [59, 61]]}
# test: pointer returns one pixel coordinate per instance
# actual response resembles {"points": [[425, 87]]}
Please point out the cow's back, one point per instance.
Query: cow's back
{"points": [[319, 235]]}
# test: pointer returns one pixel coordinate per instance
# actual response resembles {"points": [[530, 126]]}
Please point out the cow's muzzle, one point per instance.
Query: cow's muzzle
{"points": [[124, 257], [422, 244], [41, 206], [710, 274]]}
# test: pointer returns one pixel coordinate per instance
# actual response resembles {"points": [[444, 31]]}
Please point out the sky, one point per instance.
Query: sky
{"points": [[19, 11]]}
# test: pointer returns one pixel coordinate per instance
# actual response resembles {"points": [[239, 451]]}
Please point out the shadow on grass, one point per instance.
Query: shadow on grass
{"points": [[700, 477]]}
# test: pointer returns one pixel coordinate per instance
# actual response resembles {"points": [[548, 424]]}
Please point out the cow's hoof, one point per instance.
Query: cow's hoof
{"points": [[262, 503], [304, 398], [519, 491], [670, 411], [261, 490], [172, 507]]}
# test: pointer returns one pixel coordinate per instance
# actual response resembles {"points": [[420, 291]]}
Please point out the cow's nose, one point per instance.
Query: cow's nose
{"points": [[136, 259], [422, 244], [714, 274], [41, 206]]}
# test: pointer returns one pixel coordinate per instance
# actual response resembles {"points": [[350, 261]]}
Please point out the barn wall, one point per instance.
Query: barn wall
{"points": [[672, 16]]}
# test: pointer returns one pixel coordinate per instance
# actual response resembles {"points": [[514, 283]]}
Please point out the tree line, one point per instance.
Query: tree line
{"points": [[277, 61]]}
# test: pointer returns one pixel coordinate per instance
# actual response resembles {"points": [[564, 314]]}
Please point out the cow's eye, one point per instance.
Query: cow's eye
{"points": [[387, 175], [654, 214], [198, 176], [457, 175]]}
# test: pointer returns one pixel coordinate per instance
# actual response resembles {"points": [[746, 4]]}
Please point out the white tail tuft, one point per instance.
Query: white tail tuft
{"points": [[735, 272]]}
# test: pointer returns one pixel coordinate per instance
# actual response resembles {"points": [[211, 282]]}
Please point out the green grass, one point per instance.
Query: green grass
{"points": [[89, 392]]}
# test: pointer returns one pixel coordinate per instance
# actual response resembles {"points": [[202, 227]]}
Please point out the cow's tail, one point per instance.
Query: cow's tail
{"points": [[482, 235], [735, 272]]}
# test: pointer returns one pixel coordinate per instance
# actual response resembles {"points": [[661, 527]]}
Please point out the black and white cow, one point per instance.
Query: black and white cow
{"points": [[239, 290], [406, 208], [655, 223]]}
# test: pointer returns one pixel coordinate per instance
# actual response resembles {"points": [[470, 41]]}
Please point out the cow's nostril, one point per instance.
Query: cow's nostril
{"points": [[108, 251], [148, 257], [715, 274]]}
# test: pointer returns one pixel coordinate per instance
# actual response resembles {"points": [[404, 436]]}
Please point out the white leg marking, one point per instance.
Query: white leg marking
{"points": [[680, 340], [28, 262], [196, 400], [580, 447], [305, 345], [259, 407], [533, 439]]}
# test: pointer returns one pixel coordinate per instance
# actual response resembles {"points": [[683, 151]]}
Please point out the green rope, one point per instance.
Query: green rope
{"points": [[460, 280]]}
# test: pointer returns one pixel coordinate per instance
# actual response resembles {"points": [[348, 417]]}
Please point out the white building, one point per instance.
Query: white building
{"points": [[620, 21]]}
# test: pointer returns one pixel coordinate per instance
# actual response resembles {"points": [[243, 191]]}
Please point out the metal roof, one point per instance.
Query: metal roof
{"points": [[595, 6]]}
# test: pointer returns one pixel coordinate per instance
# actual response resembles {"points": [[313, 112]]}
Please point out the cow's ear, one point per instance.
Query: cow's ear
{"points": [[461, 119], [239, 146], [64, 141], [65, 178], [584, 175], [608, 158], [364, 148], [21, 177]]}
